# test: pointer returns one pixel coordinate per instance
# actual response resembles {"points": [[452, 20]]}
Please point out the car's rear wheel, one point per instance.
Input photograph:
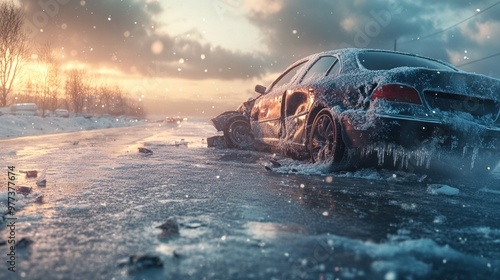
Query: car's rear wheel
{"points": [[238, 134], [325, 142]]}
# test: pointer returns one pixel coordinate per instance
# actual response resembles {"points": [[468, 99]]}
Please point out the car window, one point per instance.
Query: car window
{"points": [[288, 76], [387, 61], [334, 70], [320, 67]]}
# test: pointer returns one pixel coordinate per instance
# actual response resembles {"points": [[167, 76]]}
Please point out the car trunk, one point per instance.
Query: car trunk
{"points": [[450, 91]]}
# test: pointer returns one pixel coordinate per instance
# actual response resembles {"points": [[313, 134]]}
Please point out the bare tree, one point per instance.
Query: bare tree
{"points": [[49, 78], [104, 98], [135, 108], [29, 93], [77, 86], [13, 47]]}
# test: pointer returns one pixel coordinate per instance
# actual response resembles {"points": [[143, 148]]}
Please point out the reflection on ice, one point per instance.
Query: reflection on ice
{"points": [[261, 230]]}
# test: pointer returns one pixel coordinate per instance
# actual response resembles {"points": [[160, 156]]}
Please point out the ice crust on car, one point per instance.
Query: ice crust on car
{"points": [[364, 119]]}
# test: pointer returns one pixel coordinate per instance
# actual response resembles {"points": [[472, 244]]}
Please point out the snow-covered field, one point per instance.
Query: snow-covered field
{"points": [[17, 126]]}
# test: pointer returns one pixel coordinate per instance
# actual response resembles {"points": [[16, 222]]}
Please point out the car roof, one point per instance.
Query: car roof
{"points": [[353, 52]]}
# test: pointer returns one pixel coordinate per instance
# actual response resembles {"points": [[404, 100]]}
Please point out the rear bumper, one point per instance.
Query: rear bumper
{"points": [[410, 132], [404, 142]]}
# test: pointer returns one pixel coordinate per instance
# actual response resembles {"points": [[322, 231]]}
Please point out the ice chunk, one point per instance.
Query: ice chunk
{"points": [[442, 189], [42, 181]]}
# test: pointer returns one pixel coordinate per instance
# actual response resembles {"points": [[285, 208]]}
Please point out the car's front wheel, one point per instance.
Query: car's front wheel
{"points": [[238, 134], [325, 143]]}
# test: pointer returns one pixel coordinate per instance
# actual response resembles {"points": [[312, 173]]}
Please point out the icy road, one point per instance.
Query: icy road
{"points": [[225, 216]]}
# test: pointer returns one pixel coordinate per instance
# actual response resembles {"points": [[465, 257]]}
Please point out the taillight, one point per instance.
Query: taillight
{"points": [[397, 93]]}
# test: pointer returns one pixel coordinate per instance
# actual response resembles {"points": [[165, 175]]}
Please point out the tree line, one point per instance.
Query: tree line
{"points": [[44, 82]]}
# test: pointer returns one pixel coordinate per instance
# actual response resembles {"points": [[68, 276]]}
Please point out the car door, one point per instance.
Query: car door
{"points": [[298, 100], [267, 112]]}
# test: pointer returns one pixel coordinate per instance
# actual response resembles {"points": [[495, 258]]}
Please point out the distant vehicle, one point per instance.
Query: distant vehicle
{"points": [[174, 120], [354, 107], [62, 113], [27, 109]]}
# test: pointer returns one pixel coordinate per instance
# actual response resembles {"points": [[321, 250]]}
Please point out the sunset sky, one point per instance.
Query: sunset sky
{"points": [[201, 57]]}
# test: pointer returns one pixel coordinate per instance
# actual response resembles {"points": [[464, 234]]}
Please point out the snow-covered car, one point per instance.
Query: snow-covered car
{"points": [[61, 113], [26, 109], [355, 107]]}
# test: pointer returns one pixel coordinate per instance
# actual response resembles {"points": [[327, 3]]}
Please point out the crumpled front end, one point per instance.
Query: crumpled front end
{"points": [[221, 121]]}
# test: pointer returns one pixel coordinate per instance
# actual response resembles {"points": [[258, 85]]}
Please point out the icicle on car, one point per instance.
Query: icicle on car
{"points": [[356, 107]]}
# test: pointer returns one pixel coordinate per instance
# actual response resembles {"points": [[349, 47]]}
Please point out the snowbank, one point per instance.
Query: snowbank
{"points": [[17, 126]]}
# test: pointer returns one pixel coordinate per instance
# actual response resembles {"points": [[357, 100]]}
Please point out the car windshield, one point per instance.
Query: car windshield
{"points": [[388, 61]]}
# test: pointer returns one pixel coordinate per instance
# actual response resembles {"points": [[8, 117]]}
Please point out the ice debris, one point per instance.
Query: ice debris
{"points": [[182, 143], [442, 189], [275, 163], [145, 151], [23, 190], [169, 227], [140, 262], [40, 199], [24, 242], [42, 182], [30, 173]]}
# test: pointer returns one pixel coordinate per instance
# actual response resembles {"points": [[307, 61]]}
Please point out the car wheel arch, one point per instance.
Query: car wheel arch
{"points": [[336, 114], [227, 132], [310, 119]]}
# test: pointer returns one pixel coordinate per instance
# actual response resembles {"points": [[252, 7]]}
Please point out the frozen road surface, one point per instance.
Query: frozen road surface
{"points": [[110, 212]]}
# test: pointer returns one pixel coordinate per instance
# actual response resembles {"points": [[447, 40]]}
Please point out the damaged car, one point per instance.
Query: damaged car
{"points": [[352, 108], [236, 127]]}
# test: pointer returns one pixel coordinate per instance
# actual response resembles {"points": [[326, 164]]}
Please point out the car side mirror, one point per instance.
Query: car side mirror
{"points": [[260, 89]]}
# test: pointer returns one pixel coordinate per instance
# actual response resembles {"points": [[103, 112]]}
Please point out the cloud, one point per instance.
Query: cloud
{"points": [[300, 28], [129, 35], [135, 37], [482, 32], [267, 7]]}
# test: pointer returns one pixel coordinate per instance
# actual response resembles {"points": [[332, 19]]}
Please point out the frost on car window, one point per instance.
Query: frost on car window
{"points": [[335, 69], [386, 61], [288, 77], [320, 67]]}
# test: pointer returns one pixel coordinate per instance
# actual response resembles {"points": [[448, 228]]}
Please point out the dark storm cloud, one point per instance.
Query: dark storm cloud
{"points": [[124, 34], [300, 28], [304, 27]]}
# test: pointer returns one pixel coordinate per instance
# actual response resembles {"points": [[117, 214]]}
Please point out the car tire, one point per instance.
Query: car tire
{"points": [[238, 134], [326, 145]]}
